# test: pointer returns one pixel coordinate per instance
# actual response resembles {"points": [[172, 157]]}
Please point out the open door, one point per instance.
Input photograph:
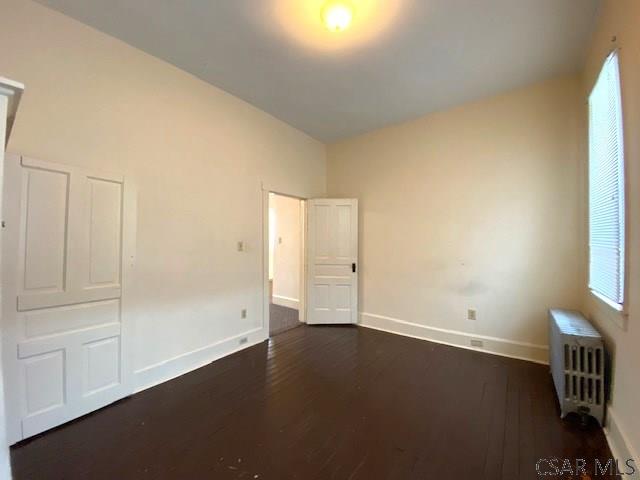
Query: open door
{"points": [[332, 261]]}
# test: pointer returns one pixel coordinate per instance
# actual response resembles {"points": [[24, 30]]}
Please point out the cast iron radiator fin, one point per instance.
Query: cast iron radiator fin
{"points": [[576, 358]]}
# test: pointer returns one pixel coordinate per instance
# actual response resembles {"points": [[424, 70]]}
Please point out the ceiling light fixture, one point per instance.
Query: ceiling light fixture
{"points": [[337, 15]]}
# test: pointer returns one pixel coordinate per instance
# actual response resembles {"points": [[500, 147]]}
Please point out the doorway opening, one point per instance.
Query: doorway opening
{"points": [[286, 221]]}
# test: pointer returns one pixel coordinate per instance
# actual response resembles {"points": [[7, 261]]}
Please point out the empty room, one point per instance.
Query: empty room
{"points": [[319, 239]]}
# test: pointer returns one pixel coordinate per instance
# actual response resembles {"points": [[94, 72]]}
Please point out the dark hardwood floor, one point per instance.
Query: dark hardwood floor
{"points": [[325, 403], [282, 319]]}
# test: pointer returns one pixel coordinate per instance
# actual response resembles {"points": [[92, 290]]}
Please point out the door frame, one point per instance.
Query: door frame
{"points": [[302, 312]]}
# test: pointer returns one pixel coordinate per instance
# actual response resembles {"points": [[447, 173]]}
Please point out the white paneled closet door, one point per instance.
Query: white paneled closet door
{"points": [[68, 246]]}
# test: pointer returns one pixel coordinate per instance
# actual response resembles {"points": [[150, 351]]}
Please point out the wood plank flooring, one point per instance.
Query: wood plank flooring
{"points": [[325, 403]]}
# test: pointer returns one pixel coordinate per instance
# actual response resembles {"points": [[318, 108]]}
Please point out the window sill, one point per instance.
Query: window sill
{"points": [[610, 310]]}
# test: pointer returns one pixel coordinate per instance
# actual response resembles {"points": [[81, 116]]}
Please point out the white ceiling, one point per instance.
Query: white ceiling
{"points": [[430, 54]]}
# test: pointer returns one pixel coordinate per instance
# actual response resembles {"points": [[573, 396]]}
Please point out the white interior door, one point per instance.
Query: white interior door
{"points": [[332, 261], [66, 235]]}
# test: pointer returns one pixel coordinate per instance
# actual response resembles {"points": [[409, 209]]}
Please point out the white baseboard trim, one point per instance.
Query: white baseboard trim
{"points": [[153, 375], [286, 301], [619, 443], [494, 345]]}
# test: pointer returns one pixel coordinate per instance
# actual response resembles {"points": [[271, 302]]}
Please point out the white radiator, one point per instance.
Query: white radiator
{"points": [[576, 358]]}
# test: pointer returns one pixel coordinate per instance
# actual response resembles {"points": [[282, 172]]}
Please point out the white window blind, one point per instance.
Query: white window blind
{"points": [[606, 186]]}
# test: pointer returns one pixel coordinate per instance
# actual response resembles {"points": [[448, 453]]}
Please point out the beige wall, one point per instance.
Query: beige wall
{"points": [[621, 18], [475, 207], [197, 154], [286, 252]]}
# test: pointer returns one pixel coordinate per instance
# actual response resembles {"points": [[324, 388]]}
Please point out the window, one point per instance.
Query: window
{"points": [[606, 187]]}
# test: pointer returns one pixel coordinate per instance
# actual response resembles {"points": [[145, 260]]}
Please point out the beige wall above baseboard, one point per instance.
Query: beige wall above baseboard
{"points": [[197, 154], [472, 208]]}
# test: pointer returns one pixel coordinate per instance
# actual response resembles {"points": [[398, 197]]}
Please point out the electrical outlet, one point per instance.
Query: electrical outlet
{"points": [[243, 313], [243, 340], [471, 314], [477, 343]]}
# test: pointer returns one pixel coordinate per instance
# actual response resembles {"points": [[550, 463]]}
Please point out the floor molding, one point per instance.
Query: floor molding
{"points": [[494, 345], [286, 301], [179, 365], [619, 443]]}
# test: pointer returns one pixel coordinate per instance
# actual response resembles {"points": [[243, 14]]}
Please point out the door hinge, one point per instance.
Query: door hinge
{"points": [[353, 267]]}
